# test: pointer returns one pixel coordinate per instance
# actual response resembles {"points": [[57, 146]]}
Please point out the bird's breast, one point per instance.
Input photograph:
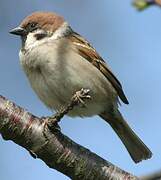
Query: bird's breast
{"points": [[56, 74]]}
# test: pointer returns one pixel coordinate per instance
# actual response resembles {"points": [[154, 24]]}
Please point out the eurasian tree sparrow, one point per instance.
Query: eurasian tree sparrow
{"points": [[58, 62]]}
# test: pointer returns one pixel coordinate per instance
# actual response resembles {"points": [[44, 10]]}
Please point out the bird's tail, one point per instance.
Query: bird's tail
{"points": [[134, 145]]}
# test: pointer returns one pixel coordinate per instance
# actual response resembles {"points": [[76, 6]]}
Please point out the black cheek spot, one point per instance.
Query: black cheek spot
{"points": [[40, 36]]}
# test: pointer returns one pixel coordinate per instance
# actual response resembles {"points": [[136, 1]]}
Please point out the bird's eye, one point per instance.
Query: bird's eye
{"points": [[31, 26]]}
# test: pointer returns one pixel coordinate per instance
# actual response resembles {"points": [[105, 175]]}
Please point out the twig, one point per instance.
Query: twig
{"points": [[143, 4], [55, 149]]}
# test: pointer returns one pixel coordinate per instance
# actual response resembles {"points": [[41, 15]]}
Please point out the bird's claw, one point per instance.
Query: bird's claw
{"points": [[52, 122], [81, 95]]}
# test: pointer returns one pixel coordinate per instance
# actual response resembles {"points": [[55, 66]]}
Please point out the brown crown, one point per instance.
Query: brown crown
{"points": [[46, 20]]}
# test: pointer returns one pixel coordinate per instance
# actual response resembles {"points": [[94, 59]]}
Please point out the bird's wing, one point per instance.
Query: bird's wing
{"points": [[90, 54]]}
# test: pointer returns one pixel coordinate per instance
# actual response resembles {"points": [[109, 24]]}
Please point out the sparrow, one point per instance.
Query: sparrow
{"points": [[58, 62]]}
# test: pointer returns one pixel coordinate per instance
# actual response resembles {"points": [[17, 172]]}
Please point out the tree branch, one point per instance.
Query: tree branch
{"points": [[55, 149], [153, 176]]}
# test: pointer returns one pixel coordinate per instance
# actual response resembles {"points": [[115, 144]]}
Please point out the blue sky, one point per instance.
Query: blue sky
{"points": [[129, 41]]}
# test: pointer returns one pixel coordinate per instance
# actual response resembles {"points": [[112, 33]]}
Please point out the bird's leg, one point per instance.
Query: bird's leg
{"points": [[77, 99]]}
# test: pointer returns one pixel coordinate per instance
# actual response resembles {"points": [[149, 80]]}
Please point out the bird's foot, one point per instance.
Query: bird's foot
{"points": [[52, 122], [80, 96]]}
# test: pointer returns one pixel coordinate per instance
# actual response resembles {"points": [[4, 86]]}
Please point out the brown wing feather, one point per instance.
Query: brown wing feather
{"points": [[89, 53]]}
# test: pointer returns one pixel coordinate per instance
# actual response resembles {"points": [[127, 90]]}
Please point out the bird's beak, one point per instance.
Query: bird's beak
{"points": [[18, 31]]}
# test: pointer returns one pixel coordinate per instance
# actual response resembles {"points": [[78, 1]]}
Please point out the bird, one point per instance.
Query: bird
{"points": [[58, 62]]}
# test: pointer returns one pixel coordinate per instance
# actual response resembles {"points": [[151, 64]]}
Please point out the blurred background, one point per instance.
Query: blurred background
{"points": [[129, 41]]}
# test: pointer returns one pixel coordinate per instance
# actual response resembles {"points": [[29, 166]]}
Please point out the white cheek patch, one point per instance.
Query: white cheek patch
{"points": [[32, 40]]}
